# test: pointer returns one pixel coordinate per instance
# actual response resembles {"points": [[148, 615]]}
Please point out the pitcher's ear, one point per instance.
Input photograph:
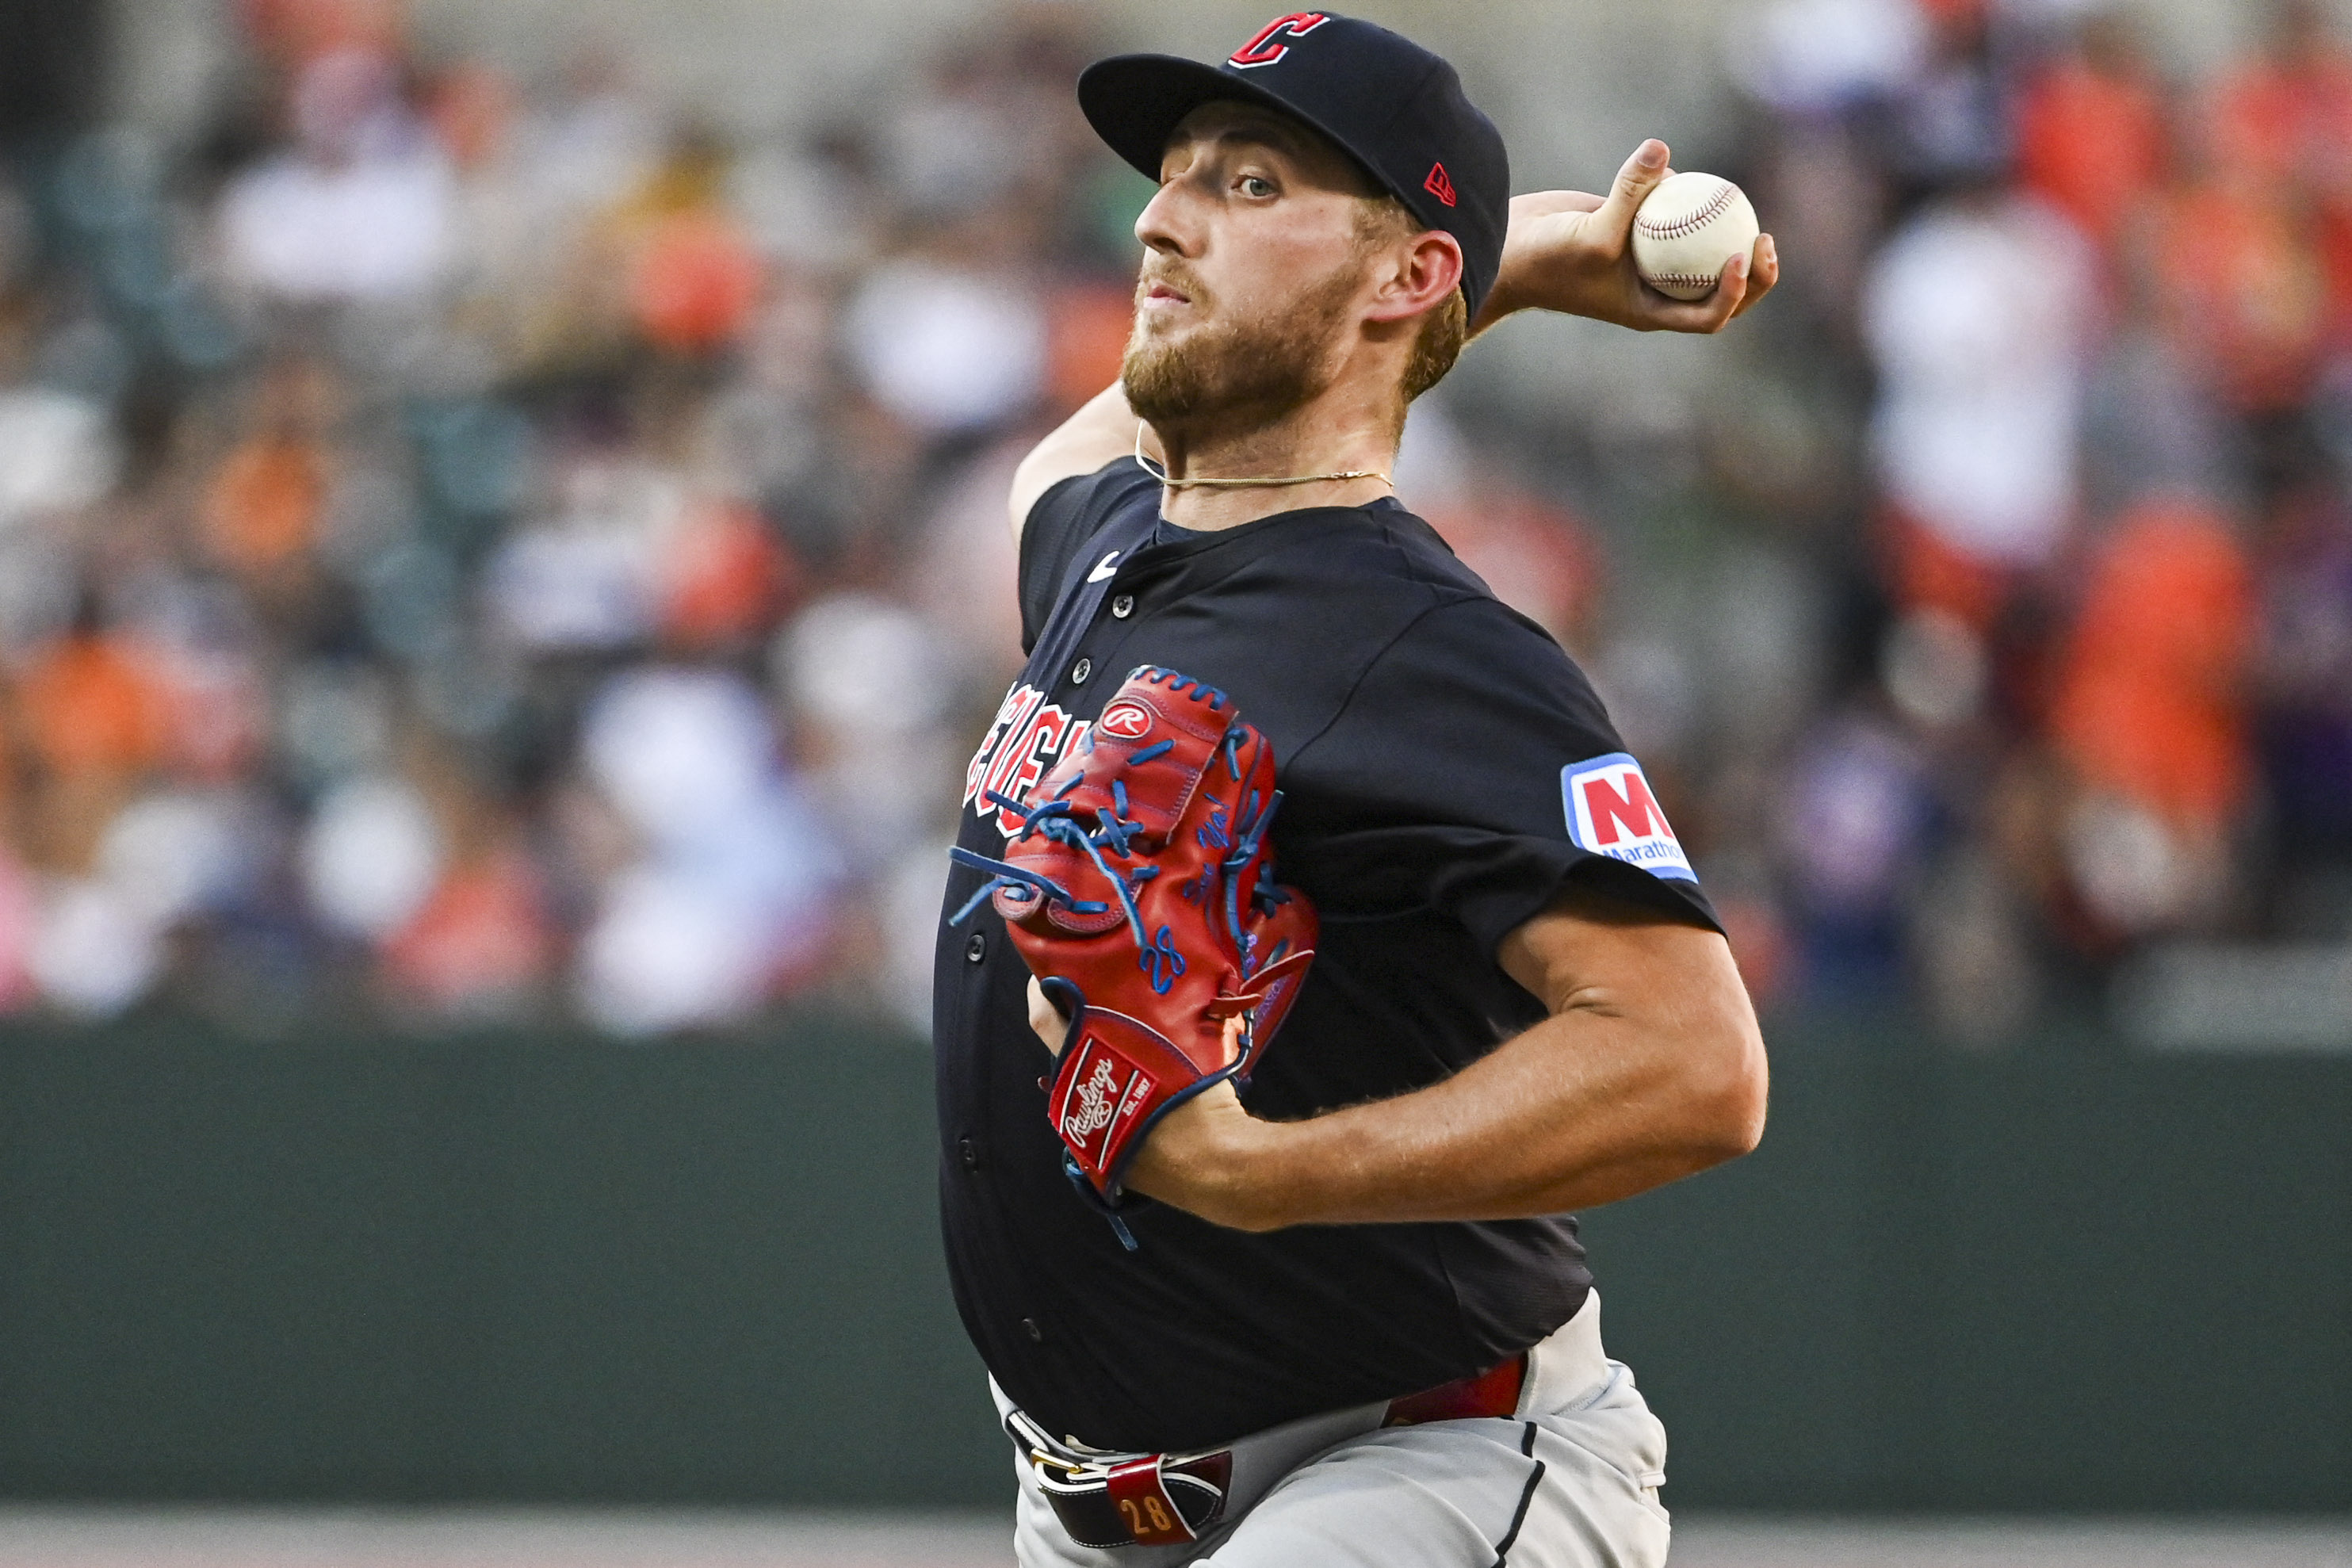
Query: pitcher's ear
{"points": [[1433, 270]]}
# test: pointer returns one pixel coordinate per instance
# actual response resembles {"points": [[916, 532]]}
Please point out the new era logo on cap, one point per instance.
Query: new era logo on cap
{"points": [[1438, 185], [1263, 50]]}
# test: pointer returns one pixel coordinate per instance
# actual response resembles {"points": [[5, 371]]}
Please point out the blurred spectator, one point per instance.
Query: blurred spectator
{"points": [[2091, 129], [2239, 283], [1857, 811], [267, 502], [947, 350], [726, 578], [56, 453], [89, 952], [1807, 57], [299, 30], [359, 208], [93, 707], [1537, 556], [696, 282], [1945, 124], [964, 541], [2150, 713], [1979, 314], [725, 903], [2304, 682], [372, 856], [2150, 692], [474, 548], [1086, 326], [2285, 118], [478, 945], [867, 679]]}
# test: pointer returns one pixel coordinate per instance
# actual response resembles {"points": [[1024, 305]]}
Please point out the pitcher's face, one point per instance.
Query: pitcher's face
{"points": [[1253, 270]]}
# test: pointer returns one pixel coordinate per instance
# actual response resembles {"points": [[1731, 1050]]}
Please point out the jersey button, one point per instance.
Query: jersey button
{"points": [[1080, 670], [1036, 1335], [976, 948], [968, 1154], [1123, 607]]}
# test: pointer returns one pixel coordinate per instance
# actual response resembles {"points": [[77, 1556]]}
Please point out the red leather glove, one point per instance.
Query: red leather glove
{"points": [[1139, 890]]}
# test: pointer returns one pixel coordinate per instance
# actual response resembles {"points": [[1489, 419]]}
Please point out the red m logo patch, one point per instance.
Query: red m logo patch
{"points": [[1612, 812]]}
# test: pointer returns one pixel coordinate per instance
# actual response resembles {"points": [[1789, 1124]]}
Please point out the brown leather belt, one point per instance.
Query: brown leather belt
{"points": [[1106, 1499]]}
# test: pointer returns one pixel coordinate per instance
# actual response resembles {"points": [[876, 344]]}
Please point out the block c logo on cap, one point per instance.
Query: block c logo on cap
{"points": [[1262, 50], [1612, 812]]}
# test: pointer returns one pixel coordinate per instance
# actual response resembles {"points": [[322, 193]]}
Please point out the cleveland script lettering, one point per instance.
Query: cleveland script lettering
{"points": [[1024, 739]]}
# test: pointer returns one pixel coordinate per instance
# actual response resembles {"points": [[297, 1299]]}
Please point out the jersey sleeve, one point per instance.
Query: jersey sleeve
{"points": [[1058, 528], [1473, 769]]}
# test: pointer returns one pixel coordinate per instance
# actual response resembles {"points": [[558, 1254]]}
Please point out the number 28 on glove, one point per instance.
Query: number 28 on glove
{"points": [[1139, 887]]}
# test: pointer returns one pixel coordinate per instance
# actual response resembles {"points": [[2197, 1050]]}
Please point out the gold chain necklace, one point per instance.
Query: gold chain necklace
{"points": [[1160, 471]]}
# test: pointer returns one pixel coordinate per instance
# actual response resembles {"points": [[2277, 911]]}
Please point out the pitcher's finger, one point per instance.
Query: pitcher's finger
{"points": [[1762, 273], [1648, 165]]}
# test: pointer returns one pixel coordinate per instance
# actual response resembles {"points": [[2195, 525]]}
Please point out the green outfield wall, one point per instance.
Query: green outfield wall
{"points": [[538, 1269]]}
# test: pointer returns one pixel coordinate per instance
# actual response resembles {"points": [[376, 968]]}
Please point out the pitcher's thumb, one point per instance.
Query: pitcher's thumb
{"points": [[1640, 176]]}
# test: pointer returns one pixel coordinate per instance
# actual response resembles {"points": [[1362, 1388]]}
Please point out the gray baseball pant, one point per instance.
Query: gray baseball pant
{"points": [[1569, 1480]]}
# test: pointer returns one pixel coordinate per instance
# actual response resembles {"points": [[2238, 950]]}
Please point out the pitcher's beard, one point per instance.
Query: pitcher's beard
{"points": [[1238, 375]]}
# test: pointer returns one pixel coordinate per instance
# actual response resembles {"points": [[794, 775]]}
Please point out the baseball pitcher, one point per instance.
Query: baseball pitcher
{"points": [[1314, 946]]}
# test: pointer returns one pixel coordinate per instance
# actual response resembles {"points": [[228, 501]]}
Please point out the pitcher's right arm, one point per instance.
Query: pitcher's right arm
{"points": [[1099, 433], [1568, 251]]}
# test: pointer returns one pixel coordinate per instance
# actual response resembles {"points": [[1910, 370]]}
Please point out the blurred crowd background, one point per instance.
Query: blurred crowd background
{"points": [[487, 542]]}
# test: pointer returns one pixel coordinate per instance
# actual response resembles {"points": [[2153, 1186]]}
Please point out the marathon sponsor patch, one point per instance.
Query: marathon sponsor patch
{"points": [[1612, 812]]}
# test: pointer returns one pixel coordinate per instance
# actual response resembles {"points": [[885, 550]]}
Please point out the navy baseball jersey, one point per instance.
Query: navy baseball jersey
{"points": [[1446, 771]]}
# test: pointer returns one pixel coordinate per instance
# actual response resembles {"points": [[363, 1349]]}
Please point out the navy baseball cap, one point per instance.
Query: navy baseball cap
{"points": [[1396, 108]]}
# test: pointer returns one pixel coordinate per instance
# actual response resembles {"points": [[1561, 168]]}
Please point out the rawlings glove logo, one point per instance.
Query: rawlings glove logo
{"points": [[1097, 1102], [1125, 722]]}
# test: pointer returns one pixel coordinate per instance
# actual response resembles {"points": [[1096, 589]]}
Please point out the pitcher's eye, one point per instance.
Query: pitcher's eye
{"points": [[1256, 187]]}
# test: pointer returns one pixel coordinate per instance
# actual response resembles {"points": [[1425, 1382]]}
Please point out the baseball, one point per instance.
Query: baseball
{"points": [[1687, 228]]}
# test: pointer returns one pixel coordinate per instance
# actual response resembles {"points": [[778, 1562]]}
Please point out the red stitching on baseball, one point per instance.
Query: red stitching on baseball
{"points": [[1690, 223]]}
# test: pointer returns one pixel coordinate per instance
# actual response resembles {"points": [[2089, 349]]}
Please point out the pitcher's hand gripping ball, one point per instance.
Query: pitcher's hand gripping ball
{"points": [[1686, 229], [1139, 890]]}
